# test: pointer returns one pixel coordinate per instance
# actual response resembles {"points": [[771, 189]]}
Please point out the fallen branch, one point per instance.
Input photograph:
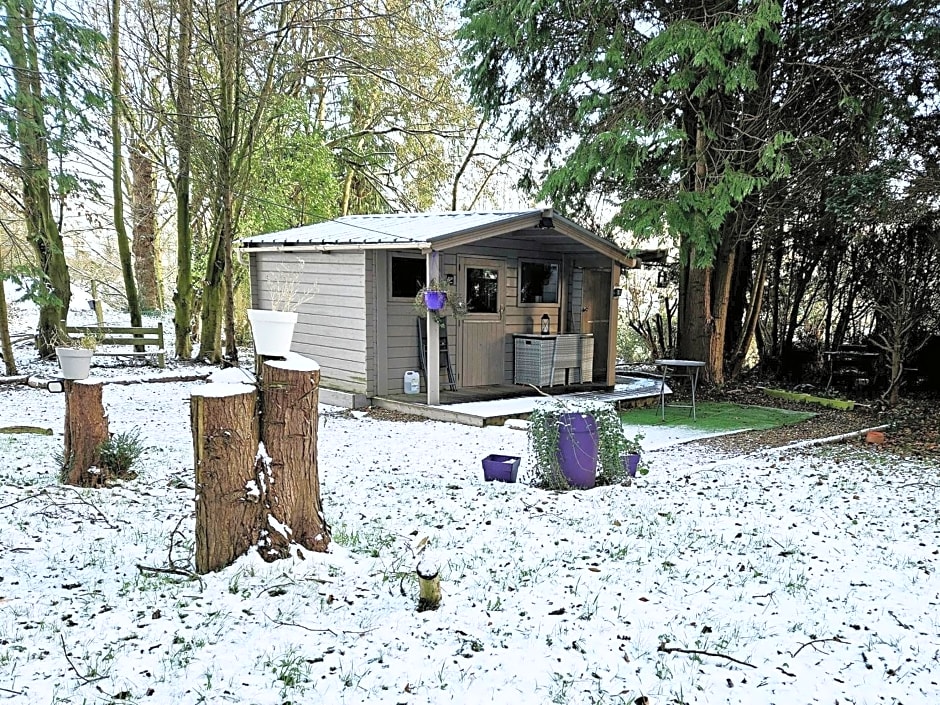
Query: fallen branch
{"points": [[38, 430], [13, 692], [675, 649], [157, 380], [312, 629], [900, 623], [23, 499], [836, 639]]}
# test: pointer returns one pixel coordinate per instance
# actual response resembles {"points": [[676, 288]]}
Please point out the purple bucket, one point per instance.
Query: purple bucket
{"points": [[631, 461], [435, 300], [577, 449]]}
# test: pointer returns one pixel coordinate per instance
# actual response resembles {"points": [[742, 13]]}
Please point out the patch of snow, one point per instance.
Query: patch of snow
{"points": [[221, 390], [232, 375], [298, 363]]}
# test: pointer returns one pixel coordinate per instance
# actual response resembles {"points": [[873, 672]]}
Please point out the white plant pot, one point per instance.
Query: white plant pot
{"points": [[74, 362], [273, 331]]}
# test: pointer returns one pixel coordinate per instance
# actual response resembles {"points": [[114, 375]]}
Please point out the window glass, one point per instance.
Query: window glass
{"points": [[538, 283], [482, 290], [409, 274]]}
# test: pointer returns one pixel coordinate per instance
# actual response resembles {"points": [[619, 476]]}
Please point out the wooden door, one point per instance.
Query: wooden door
{"points": [[482, 340], [595, 316]]}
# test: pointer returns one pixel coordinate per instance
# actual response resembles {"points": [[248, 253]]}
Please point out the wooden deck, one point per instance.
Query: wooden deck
{"points": [[493, 405]]}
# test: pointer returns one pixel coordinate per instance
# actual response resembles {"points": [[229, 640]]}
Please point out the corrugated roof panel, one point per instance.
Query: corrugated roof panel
{"points": [[387, 228]]}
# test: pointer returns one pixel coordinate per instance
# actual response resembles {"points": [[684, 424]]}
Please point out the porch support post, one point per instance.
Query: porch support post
{"points": [[434, 337], [613, 320]]}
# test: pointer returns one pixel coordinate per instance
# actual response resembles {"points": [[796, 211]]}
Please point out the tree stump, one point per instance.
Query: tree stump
{"points": [[429, 584], [290, 393], [225, 445], [265, 495], [86, 428]]}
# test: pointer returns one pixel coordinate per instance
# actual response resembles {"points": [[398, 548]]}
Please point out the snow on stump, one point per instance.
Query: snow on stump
{"points": [[249, 493], [86, 428]]}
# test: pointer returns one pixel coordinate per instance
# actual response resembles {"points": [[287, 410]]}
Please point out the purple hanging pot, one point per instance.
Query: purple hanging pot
{"points": [[435, 300]]}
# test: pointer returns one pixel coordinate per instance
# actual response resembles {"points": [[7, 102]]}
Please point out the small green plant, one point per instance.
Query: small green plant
{"points": [[119, 453]]}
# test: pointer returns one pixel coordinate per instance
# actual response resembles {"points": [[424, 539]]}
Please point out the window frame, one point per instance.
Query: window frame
{"points": [[391, 265], [522, 262]]}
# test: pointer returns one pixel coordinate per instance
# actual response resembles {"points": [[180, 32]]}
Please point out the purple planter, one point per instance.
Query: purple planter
{"points": [[631, 461], [503, 468], [435, 300], [577, 449]]}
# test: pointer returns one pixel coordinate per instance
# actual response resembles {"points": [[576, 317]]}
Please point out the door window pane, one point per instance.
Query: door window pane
{"points": [[482, 290]]}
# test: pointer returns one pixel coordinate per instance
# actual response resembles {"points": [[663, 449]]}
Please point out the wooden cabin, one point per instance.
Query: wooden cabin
{"points": [[353, 282]]}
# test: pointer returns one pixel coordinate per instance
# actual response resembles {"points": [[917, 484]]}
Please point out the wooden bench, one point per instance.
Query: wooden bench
{"points": [[127, 337]]}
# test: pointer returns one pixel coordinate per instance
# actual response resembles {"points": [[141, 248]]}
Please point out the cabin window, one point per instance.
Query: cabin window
{"points": [[409, 274], [538, 283]]}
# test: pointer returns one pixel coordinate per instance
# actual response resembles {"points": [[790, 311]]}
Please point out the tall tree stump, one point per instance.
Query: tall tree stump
{"points": [[225, 445], [86, 428], [290, 393]]}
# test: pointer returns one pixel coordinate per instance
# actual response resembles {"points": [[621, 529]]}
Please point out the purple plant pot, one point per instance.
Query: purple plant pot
{"points": [[577, 449], [503, 468], [435, 300], [631, 461]]}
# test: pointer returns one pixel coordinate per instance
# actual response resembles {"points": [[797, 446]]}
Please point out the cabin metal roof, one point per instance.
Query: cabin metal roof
{"points": [[432, 231]]}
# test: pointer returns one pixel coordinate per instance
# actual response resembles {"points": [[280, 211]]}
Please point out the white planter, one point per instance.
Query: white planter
{"points": [[273, 331], [75, 362]]}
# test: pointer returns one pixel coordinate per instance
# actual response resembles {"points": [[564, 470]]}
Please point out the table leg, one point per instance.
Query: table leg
{"points": [[662, 395], [694, 380]]}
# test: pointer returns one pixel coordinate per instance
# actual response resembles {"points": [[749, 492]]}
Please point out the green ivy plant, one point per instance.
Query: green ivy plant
{"points": [[612, 444]]}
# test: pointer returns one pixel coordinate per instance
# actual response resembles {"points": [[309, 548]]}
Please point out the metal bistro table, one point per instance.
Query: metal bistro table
{"points": [[685, 368]]}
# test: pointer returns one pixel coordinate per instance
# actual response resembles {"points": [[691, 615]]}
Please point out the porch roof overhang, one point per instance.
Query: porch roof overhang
{"points": [[433, 232]]}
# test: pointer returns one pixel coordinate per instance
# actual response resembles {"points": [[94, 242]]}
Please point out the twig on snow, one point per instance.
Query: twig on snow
{"points": [[836, 639], [13, 692], [84, 679], [90, 504], [173, 571], [900, 623], [675, 649]]}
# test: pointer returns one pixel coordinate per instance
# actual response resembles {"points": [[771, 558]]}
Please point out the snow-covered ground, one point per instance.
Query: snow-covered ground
{"points": [[794, 577]]}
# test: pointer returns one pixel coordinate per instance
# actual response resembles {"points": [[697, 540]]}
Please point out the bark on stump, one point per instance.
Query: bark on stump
{"points": [[225, 445], [290, 393], [86, 428]]}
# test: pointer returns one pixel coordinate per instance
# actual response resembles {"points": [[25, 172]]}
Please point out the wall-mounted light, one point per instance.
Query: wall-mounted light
{"points": [[661, 279], [618, 292]]}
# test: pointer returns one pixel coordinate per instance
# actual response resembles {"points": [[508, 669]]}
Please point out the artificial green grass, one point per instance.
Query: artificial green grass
{"points": [[715, 416]]}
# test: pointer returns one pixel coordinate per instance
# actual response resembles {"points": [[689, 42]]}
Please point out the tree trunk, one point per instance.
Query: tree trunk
{"points": [[183, 296], [6, 345], [86, 428], [124, 246], [41, 228], [144, 219], [228, 500], [289, 431]]}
